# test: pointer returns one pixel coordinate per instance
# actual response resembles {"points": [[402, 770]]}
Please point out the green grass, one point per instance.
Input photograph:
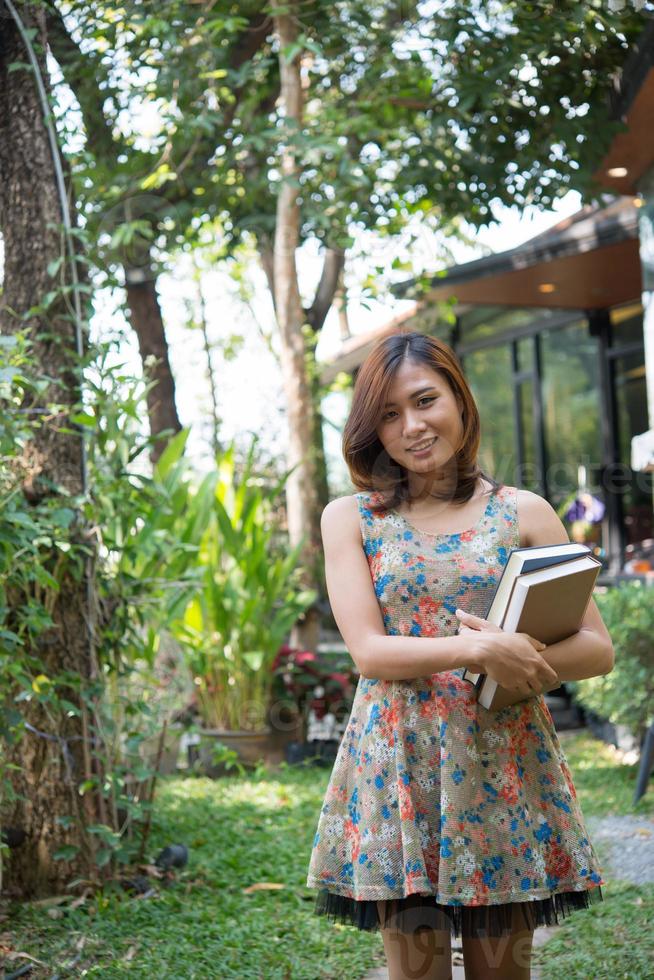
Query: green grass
{"points": [[612, 940], [604, 785], [239, 832], [244, 831]]}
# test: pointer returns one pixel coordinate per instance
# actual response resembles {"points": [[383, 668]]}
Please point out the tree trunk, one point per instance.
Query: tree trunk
{"points": [[147, 322], [206, 341], [52, 757], [301, 489]]}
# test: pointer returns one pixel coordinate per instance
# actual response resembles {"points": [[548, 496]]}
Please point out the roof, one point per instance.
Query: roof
{"points": [[631, 153], [587, 261], [591, 229]]}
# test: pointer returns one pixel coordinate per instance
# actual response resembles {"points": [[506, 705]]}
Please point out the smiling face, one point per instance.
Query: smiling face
{"points": [[422, 411]]}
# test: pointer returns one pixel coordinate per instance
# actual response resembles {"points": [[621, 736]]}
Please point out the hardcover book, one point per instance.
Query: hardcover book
{"points": [[543, 591]]}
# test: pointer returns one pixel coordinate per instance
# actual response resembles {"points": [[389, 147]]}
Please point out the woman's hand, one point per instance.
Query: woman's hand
{"points": [[511, 659]]}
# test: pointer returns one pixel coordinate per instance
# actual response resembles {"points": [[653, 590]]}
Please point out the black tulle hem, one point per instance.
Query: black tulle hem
{"points": [[463, 921]]}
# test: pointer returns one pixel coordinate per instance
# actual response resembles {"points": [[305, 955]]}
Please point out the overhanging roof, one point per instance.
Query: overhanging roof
{"points": [[633, 149], [587, 261]]}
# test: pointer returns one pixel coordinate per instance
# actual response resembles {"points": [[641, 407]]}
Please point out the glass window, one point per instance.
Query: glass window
{"points": [[488, 373], [484, 322], [627, 324], [525, 354], [528, 475], [571, 412], [631, 411]]}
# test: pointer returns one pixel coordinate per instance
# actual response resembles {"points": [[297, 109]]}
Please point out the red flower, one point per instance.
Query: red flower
{"points": [[428, 606], [299, 673], [406, 803]]}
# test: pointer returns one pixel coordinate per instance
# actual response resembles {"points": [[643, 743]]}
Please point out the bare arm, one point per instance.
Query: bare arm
{"points": [[358, 616]]}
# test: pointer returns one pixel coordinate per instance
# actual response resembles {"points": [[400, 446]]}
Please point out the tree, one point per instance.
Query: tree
{"points": [[395, 109], [50, 465], [146, 198]]}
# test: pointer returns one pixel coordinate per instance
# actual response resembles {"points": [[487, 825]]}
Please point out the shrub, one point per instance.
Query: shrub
{"points": [[626, 695]]}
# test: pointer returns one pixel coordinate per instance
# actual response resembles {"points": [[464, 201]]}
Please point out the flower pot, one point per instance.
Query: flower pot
{"points": [[318, 752], [250, 748]]}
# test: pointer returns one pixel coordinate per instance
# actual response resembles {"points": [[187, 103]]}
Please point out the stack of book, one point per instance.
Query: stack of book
{"points": [[543, 591]]}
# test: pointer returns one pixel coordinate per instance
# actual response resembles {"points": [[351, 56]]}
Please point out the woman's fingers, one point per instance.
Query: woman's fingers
{"points": [[536, 644], [476, 622], [552, 678]]}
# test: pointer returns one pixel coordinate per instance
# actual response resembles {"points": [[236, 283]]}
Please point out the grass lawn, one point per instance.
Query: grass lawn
{"points": [[244, 832], [613, 939], [239, 833]]}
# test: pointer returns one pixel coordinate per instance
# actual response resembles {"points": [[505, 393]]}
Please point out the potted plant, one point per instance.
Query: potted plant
{"points": [[308, 687], [248, 599]]}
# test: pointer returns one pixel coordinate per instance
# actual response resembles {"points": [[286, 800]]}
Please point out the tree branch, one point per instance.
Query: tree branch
{"points": [[267, 256], [82, 73], [331, 272]]}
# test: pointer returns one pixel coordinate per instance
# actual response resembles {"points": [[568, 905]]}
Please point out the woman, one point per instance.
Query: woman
{"points": [[442, 818]]}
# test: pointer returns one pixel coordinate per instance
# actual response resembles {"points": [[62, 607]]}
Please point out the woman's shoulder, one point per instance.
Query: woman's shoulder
{"points": [[539, 522], [530, 503], [339, 521], [349, 508], [356, 513], [340, 507]]}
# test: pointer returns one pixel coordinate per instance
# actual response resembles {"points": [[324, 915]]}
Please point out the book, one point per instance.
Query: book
{"points": [[559, 577], [520, 561]]}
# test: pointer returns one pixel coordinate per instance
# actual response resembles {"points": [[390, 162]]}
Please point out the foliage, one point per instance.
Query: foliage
{"points": [[205, 561], [143, 546], [411, 109], [626, 695], [41, 543], [247, 600], [308, 685], [604, 782]]}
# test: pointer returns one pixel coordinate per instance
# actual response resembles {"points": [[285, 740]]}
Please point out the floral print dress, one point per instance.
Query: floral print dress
{"points": [[445, 811]]}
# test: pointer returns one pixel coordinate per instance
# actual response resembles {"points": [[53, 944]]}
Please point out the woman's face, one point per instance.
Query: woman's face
{"points": [[421, 409]]}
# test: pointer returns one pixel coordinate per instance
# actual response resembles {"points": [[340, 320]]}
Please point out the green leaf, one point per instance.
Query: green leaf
{"points": [[216, 73], [103, 856], [254, 659], [65, 853], [55, 265], [83, 418]]}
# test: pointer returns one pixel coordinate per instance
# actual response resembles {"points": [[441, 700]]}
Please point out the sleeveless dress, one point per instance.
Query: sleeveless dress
{"points": [[446, 811]]}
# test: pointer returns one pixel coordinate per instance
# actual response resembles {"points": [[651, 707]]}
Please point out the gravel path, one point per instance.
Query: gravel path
{"points": [[625, 846]]}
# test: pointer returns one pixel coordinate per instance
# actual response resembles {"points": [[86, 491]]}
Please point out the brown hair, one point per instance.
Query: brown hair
{"points": [[370, 466]]}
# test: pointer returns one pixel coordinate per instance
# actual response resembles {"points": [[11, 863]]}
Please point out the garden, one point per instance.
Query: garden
{"points": [[192, 197], [240, 908]]}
